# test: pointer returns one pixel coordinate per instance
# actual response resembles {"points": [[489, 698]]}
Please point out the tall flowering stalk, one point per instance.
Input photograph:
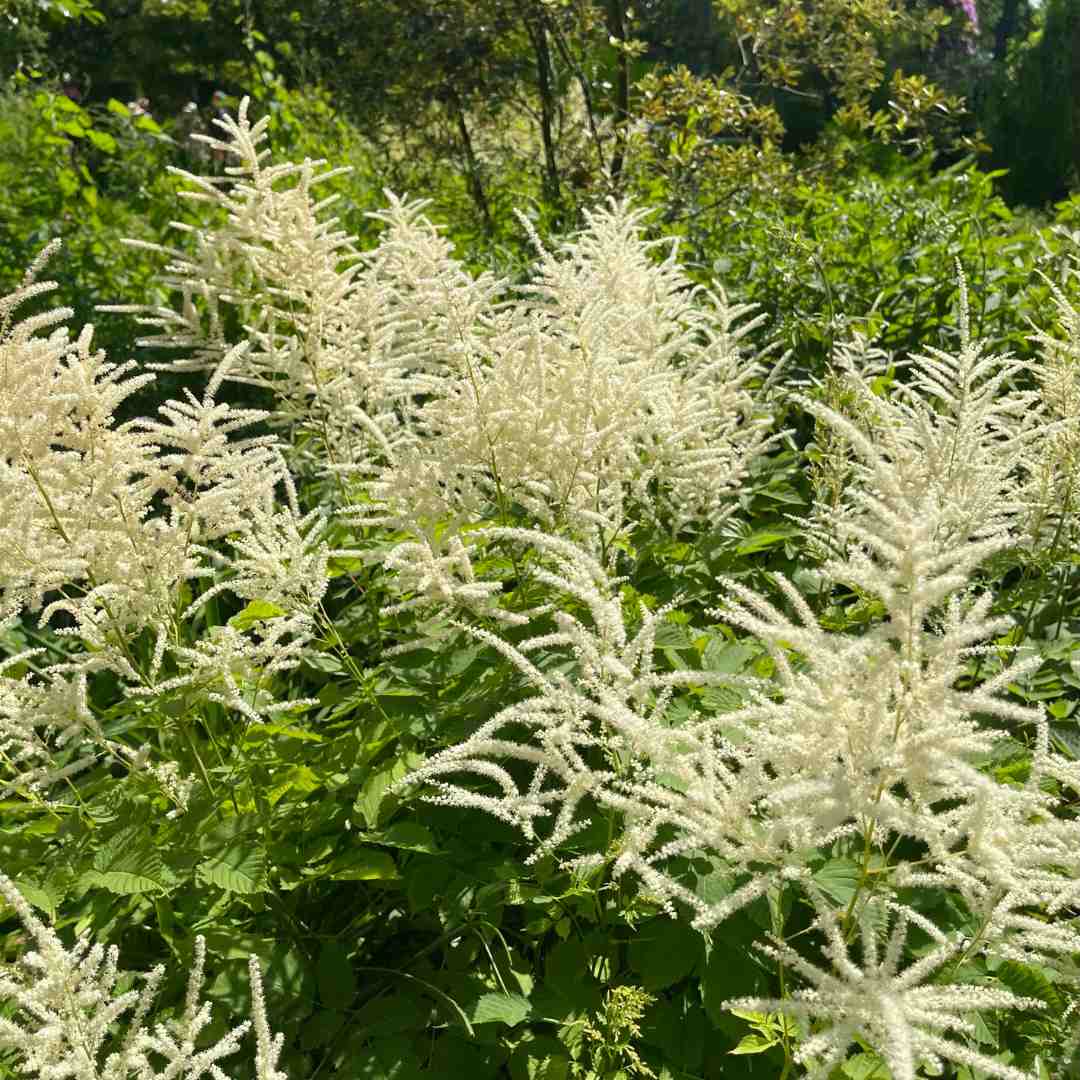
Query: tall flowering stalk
{"points": [[69, 1016], [106, 526], [864, 746]]}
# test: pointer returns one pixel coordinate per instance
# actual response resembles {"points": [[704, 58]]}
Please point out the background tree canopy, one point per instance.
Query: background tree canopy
{"points": [[716, 113], [428, 81]]}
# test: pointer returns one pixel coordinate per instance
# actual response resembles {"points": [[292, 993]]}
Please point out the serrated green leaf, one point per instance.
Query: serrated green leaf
{"points": [[299, 779], [1028, 981], [102, 140], [259, 732], [863, 1066], [665, 951], [240, 868], [838, 879], [727, 657], [36, 895], [120, 882], [509, 1009], [256, 611], [127, 865], [370, 799], [764, 538], [753, 1044], [321, 1028]]}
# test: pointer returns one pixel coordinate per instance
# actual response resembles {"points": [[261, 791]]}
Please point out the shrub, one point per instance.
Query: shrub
{"points": [[504, 549]]}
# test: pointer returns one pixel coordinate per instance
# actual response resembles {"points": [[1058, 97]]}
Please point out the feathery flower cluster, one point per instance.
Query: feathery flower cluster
{"points": [[67, 1009], [103, 524], [345, 341], [607, 390], [613, 391], [899, 1012], [858, 741]]}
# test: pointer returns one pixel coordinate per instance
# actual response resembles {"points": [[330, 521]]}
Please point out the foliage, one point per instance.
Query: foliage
{"points": [[1031, 111], [88, 176], [803, 760], [868, 248]]}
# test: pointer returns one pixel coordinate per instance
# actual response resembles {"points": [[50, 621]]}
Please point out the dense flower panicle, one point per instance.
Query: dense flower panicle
{"points": [[67, 1012], [346, 341], [104, 523], [899, 1012], [581, 414], [959, 432], [38, 718], [1055, 483]]}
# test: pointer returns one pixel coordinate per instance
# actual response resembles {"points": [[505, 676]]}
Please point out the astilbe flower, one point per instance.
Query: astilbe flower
{"points": [[104, 523], [965, 433], [863, 741], [344, 340], [1056, 474], [612, 392], [86, 487], [617, 389], [38, 717], [69, 1017], [898, 1011]]}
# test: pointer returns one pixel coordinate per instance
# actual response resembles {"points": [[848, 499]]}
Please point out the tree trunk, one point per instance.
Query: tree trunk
{"points": [[539, 38], [1006, 27], [616, 26], [472, 169]]}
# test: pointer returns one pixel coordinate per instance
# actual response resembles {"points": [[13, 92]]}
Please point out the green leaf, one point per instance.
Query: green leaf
{"points": [[68, 181], [727, 657], [509, 1009], [665, 951], [406, 835], [762, 539], [240, 868], [731, 970], [102, 140], [337, 981], [1029, 981], [259, 732], [753, 1044], [864, 1066], [361, 864], [838, 879], [299, 779], [126, 865], [256, 611], [321, 1029], [36, 895], [370, 799]]}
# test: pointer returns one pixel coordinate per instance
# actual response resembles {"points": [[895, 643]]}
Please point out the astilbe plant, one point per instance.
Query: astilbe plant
{"points": [[604, 391], [69, 1019], [106, 529], [456, 415], [863, 746]]}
